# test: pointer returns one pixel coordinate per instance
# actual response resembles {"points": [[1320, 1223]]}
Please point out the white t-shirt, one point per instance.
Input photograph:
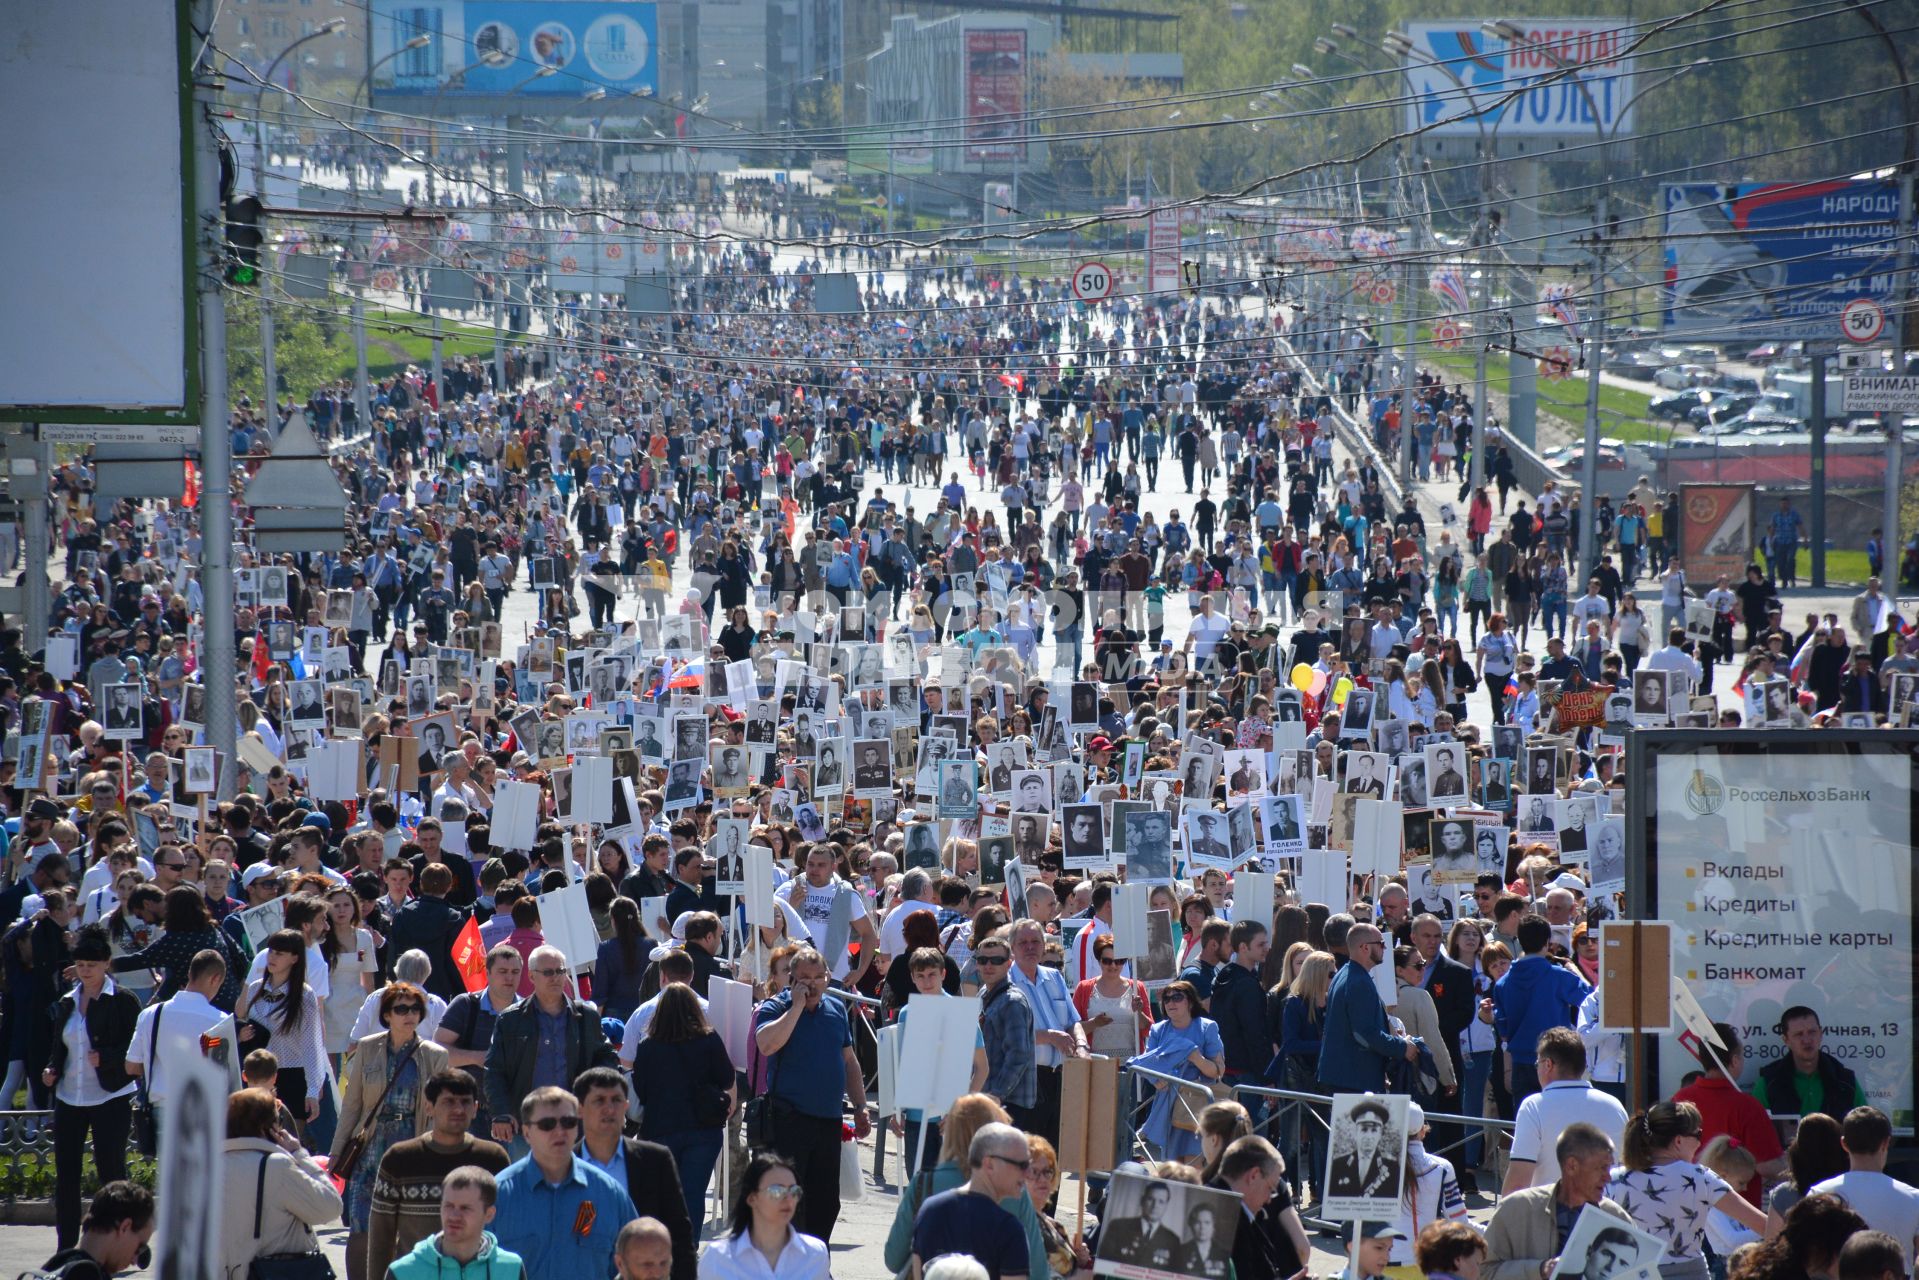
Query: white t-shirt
{"points": [[1206, 633], [1886, 1205], [637, 1024], [348, 968], [1545, 1115], [893, 932]]}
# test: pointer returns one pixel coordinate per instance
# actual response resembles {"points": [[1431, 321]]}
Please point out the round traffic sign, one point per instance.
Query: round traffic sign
{"points": [[1384, 292], [1092, 282], [1862, 320], [385, 281], [1446, 335], [1556, 365]]}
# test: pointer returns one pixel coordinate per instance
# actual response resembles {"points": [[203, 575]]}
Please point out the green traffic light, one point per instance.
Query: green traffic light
{"points": [[241, 273]]}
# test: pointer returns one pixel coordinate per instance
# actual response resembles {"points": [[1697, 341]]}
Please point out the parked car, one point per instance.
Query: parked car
{"points": [[1722, 406], [1639, 365], [1675, 377], [1680, 404]]}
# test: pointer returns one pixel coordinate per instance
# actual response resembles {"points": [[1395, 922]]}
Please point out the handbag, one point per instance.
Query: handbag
{"points": [[1189, 1102], [146, 1130], [355, 1148], [311, 1265]]}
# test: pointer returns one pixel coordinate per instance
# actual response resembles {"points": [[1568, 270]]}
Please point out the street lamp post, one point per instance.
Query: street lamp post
{"points": [[269, 371], [365, 86]]}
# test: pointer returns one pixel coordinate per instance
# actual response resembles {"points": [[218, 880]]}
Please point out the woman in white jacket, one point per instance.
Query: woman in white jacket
{"points": [[274, 1192]]}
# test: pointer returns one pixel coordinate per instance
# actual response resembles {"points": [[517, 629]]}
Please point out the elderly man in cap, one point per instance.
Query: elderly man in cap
{"points": [[1368, 1170]]}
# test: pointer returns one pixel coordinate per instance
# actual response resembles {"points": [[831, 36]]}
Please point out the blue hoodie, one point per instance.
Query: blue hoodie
{"points": [[426, 1262], [1535, 996]]}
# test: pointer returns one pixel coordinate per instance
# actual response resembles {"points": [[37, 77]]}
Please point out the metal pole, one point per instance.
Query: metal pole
{"points": [[362, 402], [1589, 461], [1818, 415], [1485, 309], [499, 337], [269, 372], [515, 157], [439, 356], [1894, 553], [1408, 338], [36, 592], [1522, 375], [216, 438]]}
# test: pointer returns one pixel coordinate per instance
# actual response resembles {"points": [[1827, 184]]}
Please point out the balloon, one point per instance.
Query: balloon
{"points": [[1302, 677], [1340, 690], [1319, 684]]}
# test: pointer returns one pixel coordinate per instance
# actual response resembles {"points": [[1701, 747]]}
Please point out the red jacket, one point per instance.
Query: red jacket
{"points": [[1083, 997]]}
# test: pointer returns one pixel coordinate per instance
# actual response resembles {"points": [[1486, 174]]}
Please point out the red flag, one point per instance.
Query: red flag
{"points": [[1016, 381], [191, 497], [261, 662], [469, 956]]}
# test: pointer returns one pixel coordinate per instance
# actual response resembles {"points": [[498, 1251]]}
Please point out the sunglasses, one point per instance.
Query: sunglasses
{"points": [[978, 959], [1112, 960], [547, 1124], [1021, 1165], [404, 1010], [550, 973], [781, 1192]]}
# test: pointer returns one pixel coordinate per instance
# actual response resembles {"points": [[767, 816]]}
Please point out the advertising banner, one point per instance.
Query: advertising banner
{"points": [[995, 90], [1782, 261], [1491, 68], [1785, 862], [500, 46], [1715, 532]]}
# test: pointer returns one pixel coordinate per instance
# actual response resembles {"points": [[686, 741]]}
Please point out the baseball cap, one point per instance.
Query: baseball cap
{"points": [[319, 820], [1100, 742], [1567, 880], [256, 873], [1375, 1231], [1415, 1118]]}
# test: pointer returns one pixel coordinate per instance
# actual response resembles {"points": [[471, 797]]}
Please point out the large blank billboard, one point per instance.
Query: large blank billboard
{"points": [[98, 215]]}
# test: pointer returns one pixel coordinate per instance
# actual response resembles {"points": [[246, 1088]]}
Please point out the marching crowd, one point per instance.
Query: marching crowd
{"points": [[782, 721]]}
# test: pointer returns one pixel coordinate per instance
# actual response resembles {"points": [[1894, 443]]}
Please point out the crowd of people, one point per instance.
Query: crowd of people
{"points": [[835, 664]]}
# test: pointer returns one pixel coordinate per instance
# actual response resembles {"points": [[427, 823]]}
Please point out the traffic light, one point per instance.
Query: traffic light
{"points": [[244, 237]]}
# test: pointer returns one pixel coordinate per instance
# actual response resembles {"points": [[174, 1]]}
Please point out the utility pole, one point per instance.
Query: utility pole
{"points": [[1483, 240], [362, 401], [1408, 333], [1818, 355], [216, 437], [270, 385], [1589, 461], [1894, 553]]}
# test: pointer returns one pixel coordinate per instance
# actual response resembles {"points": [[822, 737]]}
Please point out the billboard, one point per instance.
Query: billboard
{"points": [[502, 45], [1715, 531], [1490, 68], [1785, 859], [995, 89], [1781, 261], [121, 225]]}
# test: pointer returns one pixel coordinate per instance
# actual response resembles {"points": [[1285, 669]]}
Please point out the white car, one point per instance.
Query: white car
{"points": [[1677, 377]]}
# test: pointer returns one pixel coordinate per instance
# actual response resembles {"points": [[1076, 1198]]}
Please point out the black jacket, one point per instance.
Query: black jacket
{"points": [[1450, 984], [653, 1180], [430, 925], [1239, 1007], [110, 1019], [1838, 1085], [509, 1058]]}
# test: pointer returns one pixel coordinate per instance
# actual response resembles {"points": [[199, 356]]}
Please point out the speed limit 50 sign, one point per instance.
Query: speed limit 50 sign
{"points": [[1092, 282]]}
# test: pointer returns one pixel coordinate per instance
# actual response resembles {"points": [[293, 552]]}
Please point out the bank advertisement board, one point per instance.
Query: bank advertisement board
{"points": [[1781, 261], [501, 47], [1490, 68], [1786, 860], [995, 94]]}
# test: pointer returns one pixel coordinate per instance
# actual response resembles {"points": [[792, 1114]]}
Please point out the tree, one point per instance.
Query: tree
{"points": [[307, 351]]}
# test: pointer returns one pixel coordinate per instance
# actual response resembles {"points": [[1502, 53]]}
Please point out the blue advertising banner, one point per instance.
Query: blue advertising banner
{"points": [[479, 47], [1782, 261], [1459, 78]]}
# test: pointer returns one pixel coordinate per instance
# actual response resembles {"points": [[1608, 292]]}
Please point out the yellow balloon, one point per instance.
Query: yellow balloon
{"points": [[1340, 691], [1302, 677]]}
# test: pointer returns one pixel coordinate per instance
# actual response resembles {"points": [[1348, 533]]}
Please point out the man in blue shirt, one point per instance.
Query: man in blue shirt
{"points": [[1535, 996], [1357, 1045], [807, 1040], [559, 1213], [969, 1219]]}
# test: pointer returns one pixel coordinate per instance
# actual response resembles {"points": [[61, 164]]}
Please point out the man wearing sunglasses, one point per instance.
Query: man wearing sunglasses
{"points": [[542, 1041], [560, 1213], [970, 1220]]}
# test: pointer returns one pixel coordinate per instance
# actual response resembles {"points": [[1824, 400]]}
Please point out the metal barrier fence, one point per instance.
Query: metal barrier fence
{"points": [[26, 1157], [1298, 1122]]}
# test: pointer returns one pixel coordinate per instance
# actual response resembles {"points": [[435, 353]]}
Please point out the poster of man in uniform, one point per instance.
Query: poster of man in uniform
{"points": [[1604, 1247], [1083, 836], [1149, 846], [729, 855], [1366, 1157], [1446, 773], [873, 767], [1161, 1230], [1454, 861]]}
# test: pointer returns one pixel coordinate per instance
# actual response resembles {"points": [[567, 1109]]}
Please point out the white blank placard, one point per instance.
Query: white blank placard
{"points": [[759, 886], [936, 1053], [1129, 920], [889, 1070], [1385, 979], [567, 923], [1378, 833], [730, 1010], [1323, 877], [1289, 735], [333, 770], [1253, 896], [516, 813], [593, 789]]}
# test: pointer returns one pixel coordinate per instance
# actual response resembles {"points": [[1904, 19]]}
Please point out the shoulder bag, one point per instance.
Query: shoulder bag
{"points": [[311, 1265], [355, 1149], [146, 1134]]}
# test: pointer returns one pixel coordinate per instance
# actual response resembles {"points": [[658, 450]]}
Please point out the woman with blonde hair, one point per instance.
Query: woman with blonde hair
{"points": [[968, 1114]]}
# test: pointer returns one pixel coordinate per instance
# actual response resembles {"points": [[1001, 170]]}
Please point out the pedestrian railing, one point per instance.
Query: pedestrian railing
{"points": [[26, 1156], [1298, 1124]]}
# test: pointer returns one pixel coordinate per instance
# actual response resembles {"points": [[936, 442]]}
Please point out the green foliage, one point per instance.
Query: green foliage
{"points": [[310, 348]]}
